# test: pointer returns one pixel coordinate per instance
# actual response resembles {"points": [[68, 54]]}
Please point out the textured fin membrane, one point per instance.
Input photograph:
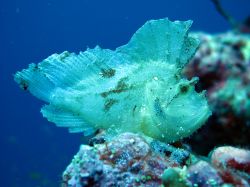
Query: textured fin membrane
{"points": [[63, 118], [159, 40]]}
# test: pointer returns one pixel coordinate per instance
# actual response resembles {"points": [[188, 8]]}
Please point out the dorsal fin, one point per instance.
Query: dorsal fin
{"points": [[161, 40]]}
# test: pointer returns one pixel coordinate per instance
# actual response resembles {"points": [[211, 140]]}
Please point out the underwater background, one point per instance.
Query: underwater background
{"points": [[35, 152]]}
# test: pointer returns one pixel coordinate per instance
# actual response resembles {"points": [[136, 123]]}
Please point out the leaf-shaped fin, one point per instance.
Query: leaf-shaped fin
{"points": [[33, 80], [188, 50], [63, 118], [158, 40], [67, 69]]}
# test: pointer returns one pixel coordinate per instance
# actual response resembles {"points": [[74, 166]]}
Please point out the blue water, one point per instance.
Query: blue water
{"points": [[33, 151]]}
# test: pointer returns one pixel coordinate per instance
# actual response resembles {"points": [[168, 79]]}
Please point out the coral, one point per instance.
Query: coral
{"points": [[175, 177], [199, 174], [223, 66], [132, 160], [219, 56], [233, 164], [228, 157], [127, 160], [136, 88], [229, 166], [203, 174]]}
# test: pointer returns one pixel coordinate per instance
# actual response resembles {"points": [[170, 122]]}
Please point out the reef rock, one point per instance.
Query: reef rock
{"points": [[132, 160], [127, 160], [222, 63]]}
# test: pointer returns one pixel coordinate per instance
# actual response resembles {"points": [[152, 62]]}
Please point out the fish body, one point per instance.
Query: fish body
{"points": [[136, 88]]}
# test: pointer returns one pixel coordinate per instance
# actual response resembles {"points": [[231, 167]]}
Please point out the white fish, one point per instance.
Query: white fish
{"points": [[136, 88]]}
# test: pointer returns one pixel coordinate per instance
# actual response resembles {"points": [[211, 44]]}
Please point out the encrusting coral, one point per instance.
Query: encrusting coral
{"points": [[222, 64], [127, 160], [131, 160], [136, 88]]}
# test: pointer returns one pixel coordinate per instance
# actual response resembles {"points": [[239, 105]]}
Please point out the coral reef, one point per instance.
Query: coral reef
{"points": [[223, 65], [136, 88], [127, 160], [132, 160]]}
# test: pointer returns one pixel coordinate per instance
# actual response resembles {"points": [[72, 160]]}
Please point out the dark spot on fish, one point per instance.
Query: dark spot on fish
{"points": [[104, 94], [109, 103], [107, 73], [177, 76], [184, 88], [36, 66], [134, 110], [24, 85], [158, 109], [64, 55], [120, 87], [77, 114]]}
